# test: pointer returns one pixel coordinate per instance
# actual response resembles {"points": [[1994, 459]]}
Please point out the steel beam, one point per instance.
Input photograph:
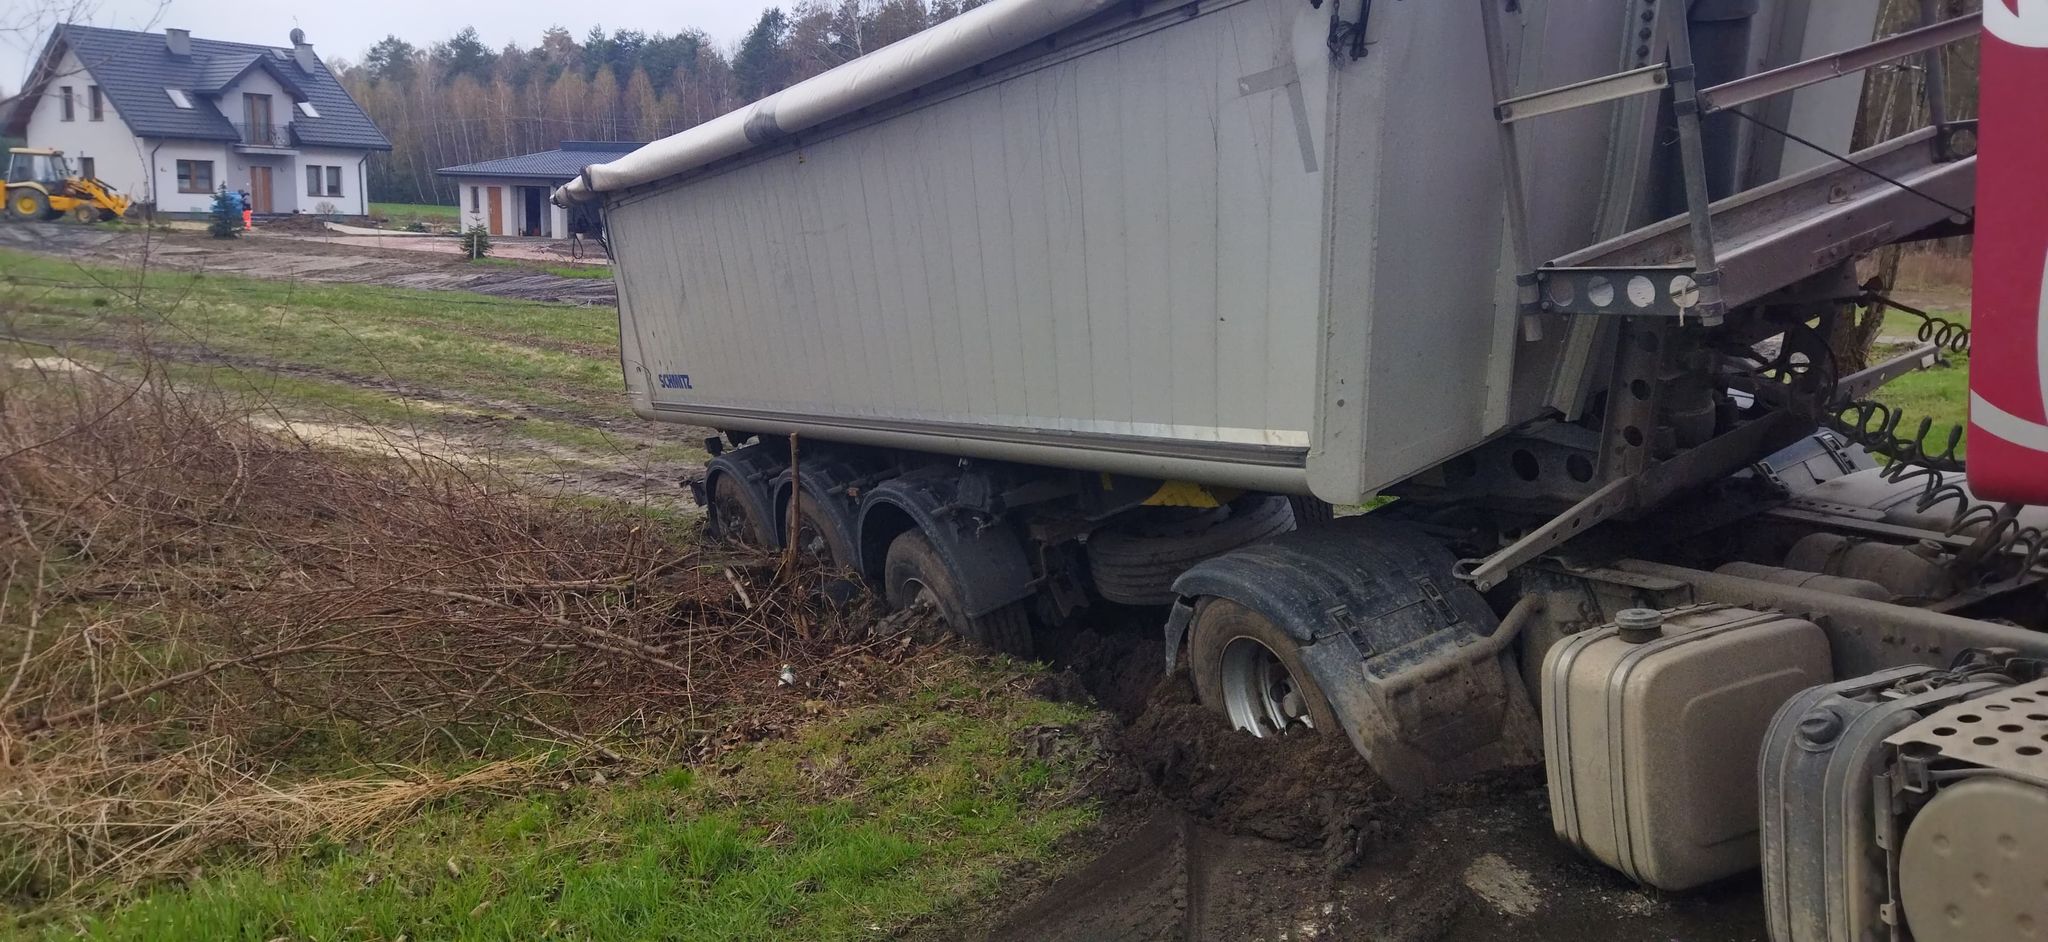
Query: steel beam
{"points": [[1620, 85], [1814, 71]]}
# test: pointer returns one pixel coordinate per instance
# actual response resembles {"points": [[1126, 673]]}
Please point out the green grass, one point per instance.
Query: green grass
{"points": [[332, 341], [852, 829], [556, 355], [563, 271], [398, 214], [1941, 393]]}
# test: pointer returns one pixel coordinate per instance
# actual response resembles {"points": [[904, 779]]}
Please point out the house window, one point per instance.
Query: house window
{"points": [[95, 106], [195, 176], [316, 174], [85, 168], [64, 96], [306, 108], [256, 127], [475, 205], [179, 98]]}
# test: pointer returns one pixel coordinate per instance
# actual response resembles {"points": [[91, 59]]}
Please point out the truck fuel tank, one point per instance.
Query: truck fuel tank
{"points": [[1651, 729]]}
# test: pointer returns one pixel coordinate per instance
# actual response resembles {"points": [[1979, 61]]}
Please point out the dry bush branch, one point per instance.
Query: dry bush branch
{"points": [[177, 575]]}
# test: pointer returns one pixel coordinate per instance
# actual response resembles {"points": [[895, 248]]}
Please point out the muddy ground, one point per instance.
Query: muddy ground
{"points": [[1206, 833], [451, 426], [288, 252], [1212, 835]]}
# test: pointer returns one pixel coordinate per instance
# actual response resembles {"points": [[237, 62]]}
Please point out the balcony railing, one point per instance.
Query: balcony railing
{"points": [[265, 135]]}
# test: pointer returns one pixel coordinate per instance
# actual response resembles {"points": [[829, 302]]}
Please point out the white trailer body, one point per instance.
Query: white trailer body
{"points": [[1177, 240]]}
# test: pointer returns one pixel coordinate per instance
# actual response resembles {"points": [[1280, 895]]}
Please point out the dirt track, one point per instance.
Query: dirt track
{"points": [[280, 254], [1206, 833], [1211, 835]]}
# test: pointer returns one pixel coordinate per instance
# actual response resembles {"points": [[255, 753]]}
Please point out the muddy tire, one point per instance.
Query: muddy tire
{"points": [[1135, 563], [913, 574], [820, 542], [733, 516], [1311, 512], [1251, 672], [27, 205]]}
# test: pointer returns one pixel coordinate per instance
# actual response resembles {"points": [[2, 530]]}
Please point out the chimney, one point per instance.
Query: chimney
{"points": [[302, 52], [178, 42]]}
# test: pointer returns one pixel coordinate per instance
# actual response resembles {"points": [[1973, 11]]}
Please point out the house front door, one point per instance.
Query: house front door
{"points": [[259, 189], [496, 196]]}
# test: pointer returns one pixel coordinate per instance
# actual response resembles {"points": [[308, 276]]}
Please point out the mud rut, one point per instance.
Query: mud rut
{"points": [[1207, 834], [294, 249], [1210, 834]]}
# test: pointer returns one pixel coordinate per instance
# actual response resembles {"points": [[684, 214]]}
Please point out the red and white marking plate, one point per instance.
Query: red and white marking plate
{"points": [[2009, 320]]}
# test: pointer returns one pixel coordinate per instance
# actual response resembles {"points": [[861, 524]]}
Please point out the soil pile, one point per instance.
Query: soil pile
{"points": [[297, 224], [1303, 790], [1211, 834]]}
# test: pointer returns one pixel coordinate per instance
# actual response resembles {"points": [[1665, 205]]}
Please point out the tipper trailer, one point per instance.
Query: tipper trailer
{"points": [[1065, 301]]}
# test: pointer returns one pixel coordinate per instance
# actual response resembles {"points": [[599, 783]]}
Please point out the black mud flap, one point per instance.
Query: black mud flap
{"points": [[983, 554], [1398, 644], [829, 482], [756, 468]]}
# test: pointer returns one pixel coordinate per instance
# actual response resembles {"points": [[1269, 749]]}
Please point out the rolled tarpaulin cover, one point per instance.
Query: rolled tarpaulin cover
{"points": [[964, 41]]}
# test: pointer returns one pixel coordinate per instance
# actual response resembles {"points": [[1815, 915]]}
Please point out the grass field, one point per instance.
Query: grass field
{"points": [[854, 824], [337, 343], [397, 215], [560, 271], [923, 806]]}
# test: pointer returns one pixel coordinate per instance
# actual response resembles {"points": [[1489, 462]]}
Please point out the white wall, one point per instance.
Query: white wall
{"points": [[123, 160], [511, 205], [169, 200], [117, 156], [257, 82], [350, 202]]}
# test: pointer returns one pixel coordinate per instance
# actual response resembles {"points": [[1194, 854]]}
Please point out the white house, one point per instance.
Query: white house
{"points": [[509, 195], [167, 118]]}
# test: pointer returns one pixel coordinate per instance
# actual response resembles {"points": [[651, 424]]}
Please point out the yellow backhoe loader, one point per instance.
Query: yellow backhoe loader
{"points": [[41, 185]]}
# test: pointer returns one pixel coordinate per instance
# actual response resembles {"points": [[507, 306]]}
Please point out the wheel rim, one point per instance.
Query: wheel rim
{"points": [[810, 540], [918, 595], [731, 510], [25, 206], [1259, 694]]}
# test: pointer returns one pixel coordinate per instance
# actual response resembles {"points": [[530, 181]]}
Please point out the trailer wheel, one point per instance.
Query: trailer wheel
{"points": [[733, 517], [818, 540], [1250, 671], [1311, 512], [1135, 562], [913, 574]]}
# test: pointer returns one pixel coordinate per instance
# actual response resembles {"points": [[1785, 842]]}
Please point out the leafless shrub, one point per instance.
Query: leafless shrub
{"points": [[193, 604]]}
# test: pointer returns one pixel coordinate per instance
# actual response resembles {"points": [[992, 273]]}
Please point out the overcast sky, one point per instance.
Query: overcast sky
{"points": [[346, 28]]}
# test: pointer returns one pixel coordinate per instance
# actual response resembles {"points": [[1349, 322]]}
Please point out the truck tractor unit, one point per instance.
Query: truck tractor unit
{"points": [[1071, 304], [41, 185]]}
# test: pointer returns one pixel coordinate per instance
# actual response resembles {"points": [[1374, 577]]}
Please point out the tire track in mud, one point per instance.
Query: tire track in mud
{"points": [[282, 257], [1209, 834], [460, 427]]}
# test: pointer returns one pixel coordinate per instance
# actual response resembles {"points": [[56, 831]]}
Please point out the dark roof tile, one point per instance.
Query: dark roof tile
{"points": [[133, 69], [562, 164]]}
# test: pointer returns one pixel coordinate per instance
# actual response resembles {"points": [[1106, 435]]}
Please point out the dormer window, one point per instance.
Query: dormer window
{"points": [[306, 108], [179, 98]]}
